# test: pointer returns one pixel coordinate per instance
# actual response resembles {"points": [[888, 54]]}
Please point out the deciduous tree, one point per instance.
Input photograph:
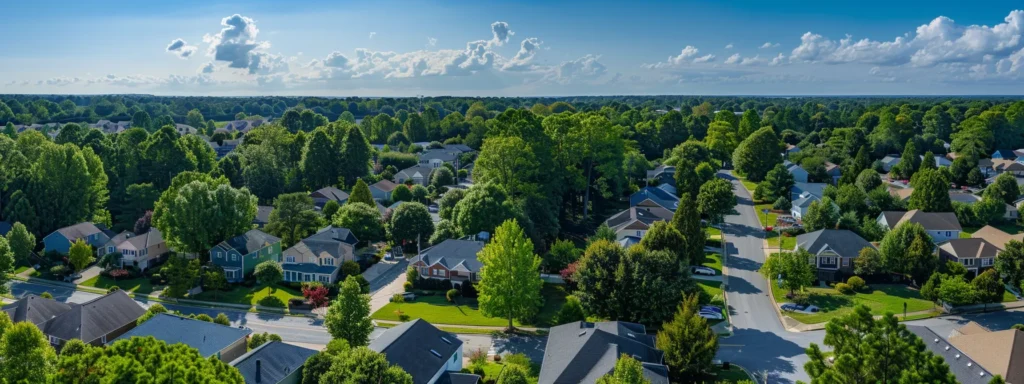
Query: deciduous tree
{"points": [[688, 342], [268, 273], [79, 256], [27, 355], [757, 154], [510, 282], [793, 268], [363, 220], [348, 317], [1010, 262], [293, 218]]}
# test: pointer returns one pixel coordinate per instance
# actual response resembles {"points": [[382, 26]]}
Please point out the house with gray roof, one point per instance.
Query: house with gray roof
{"points": [[428, 354], [453, 259], [834, 251], [664, 174], [325, 194], [435, 158], [654, 197], [799, 188], [635, 221], [320, 256], [419, 174], [93, 322], [262, 216], [381, 190], [93, 234], [582, 352], [225, 342], [274, 362], [799, 173], [139, 251], [941, 226], [889, 161], [239, 255], [458, 149], [975, 254], [800, 205], [243, 126]]}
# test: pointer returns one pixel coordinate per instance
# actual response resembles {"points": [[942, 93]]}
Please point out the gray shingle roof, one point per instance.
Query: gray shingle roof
{"points": [[657, 195], [461, 148], [843, 242], [582, 352], [630, 215], [457, 378], [817, 189], [35, 309], [262, 214], [330, 193], [208, 338], [806, 201], [384, 185], [277, 361], [412, 346], [249, 242], [439, 154], [452, 253], [937, 345], [79, 230], [931, 221], [411, 171], [95, 318]]}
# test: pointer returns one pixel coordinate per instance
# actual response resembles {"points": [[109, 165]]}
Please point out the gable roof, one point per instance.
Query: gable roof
{"points": [[151, 238], [35, 309], [931, 221], [80, 230], [632, 215], [330, 193], [450, 377], [248, 242], [262, 214], [582, 352], [438, 154], [208, 338], [460, 148], [998, 352], [843, 242], [277, 360], [890, 159], [996, 237], [327, 242], [95, 318], [452, 254], [657, 195], [661, 169], [413, 170], [969, 248], [973, 374], [418, 347], [384, 185], [1005, 153], [817, 189], [805, 200]]}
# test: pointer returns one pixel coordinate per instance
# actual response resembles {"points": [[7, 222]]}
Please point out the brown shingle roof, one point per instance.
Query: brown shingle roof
{"points": [[969, 248], [999, 352], [996, 236], [932, 221]]}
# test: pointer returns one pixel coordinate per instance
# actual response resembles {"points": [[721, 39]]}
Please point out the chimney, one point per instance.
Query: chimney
{"points": [[259, 371]]}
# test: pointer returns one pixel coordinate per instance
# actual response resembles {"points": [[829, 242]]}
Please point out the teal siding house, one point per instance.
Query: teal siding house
{"points": [[60, 240], [239, 255]]}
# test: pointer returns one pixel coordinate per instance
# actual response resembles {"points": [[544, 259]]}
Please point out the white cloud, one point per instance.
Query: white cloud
{"points": [[431, 41], [687, 55], [769, 44], [501, 32], [372, 34], [778, 60], [180, 48], [705, 59], [728, 46], [236, 44], [527, 50], [208, 68], [733, 59], [585, 68], [756, 60]]}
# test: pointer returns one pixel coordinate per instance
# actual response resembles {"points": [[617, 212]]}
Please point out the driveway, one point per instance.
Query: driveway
{"points": [[88, 273]]}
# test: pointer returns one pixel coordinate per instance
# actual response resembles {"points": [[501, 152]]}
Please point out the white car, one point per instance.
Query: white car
{"points": [[711, 315], [702, 271]]}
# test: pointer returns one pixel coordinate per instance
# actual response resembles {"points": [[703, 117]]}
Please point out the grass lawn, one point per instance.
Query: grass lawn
{"points": [[713, 232], [21, 268], [1008, 297], [276, 296], [437, 309], [788, 242], [733, 375], [883, 298], [772, 216], [137, 285], [713, 261], [713, 288]]}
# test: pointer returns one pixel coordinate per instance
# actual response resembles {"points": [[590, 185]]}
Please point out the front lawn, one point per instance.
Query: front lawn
{"points": [[136, 285], [881, 299], [21, 268], [713, 288], [1008, 297], [788, 242], [713, 261], [276, 296], [772, 216], [436, 309]]}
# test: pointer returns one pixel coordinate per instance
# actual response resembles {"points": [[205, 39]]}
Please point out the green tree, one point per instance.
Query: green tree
{"points": [[1010, 262], [868, 262], [482, 209], [513, 374], [222, 319], [6, 264], [361, 194], [142, 120], [28, 357], [348, 317], [63, 187], [195, 119], [821, 214], [990, 289], [955, 290], [562, 253], [794, 268], [721, 140], [420, 193], [410, 222], [268, 273], [647, 286], [415, 128], [181, 275], [510, 282], [757, 154], [22, 243], [442, 177], [571, 311], [140, 358], [79, 256], [258, 339], [164, 156], [444, 230], [909, 162], [293, 218], [687, 221], [869, 350], [197, 215], [401, 193], [896, 244], [319, 161], [330, 209], [627, 371], [777, 183], [206, 158], [716, 199], [749, 123], [153, 310], [446, 206], [509, 162], [688, 342], [1004, 188], [868, 180], [214, 280], [662, 236], [363, 220], [931, 192]]}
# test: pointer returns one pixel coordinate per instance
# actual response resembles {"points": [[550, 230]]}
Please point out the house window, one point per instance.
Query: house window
{"points": [[289, 259], [986, 262], [54, 340], [323, 279], [846, 262], [826, 260], [327, 261], [968, 262], [234, 257], [949, 233], [219, 255], [639, 233]]}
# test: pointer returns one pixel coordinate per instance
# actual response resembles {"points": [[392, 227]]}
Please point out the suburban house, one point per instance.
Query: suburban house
{"points": [[426, 353], [629, 241], [1004, 154], [457, 149], [418, 174], [800, 205], [994, 351], [185, 129], [325, 194], [381, 190], [582, 352], [435, 158], [996, 236], [5, 227], [634, 221], [225, 147], [903, 194], [940, 161], [668, 188], [452, 259], [941, 226], [239, 255], [60, 240], [319, 257], [653, 197], [791, 149], [834, 251], [975, 254], [225, 342], [95, 322], [889, 161], [992, 167], [243, 126], [966, 371], [110, 127], [262, 216], [273, 362], [664, 174], [798, 172], [1011, 212], [833, 172], [139, 251], [816, 189]]}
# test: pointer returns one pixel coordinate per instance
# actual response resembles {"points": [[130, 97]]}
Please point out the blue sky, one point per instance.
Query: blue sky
{"points": [[398, 48]]}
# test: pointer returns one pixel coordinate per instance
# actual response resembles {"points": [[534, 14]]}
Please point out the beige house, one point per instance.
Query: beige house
{"points": [[140, 251], [320, 256]]}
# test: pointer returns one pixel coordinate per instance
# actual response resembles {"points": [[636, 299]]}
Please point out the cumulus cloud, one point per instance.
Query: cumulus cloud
{"points": [[735, 58], [585, 68], [689, 54], [769, 44], [728, 46], [208, 68], [501, 32], [236, 44], [431, 41], [527, 50], [372, 34], [180, 48]]}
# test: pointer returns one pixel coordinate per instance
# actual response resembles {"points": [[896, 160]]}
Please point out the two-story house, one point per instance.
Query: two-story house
{"points": [[941, 226], [93, 234], [139, 251], [799, 173], [239, 255], [419, 174], [381, 190], [583, 352], [653, 197], [833, 251], [435, 158], [452, 259], [975, 254], [426, 353], [319, 257], [635, 221], [95, 322], [274, 362]]}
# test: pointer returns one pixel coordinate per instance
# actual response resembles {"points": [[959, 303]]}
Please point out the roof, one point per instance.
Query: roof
{"points": [[932, 221], [998, 352], [329, 242], [996, 236], [657, 195], [384, 185], [453, 254], [631, 215], [974, 374], [277, 360], [669, 169], [450, 377], [582, 352], [969, 248], [5, 227], [413, 170], [331, 193], [263, 214], [309, 268], [964, 197], [1005, 153], [901, 193], [461, 148], [817, 189], [35, 309], [829, 167], [890, 159], [438, 154], [95, 318], [208, 338], [249, 242], [805, 200], [418, 347], [151, 238], [629, 241], [80, 230], [843, 242], [667, 188]]}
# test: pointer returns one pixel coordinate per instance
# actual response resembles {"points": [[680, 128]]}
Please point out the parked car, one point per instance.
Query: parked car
{"points": [[408, 296], [791, 307], [711, 308], [702, 271], [432, 208], [711, 315]]}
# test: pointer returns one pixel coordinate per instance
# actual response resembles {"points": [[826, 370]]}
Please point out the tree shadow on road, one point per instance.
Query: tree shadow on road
{"points": [[531, 346], [742, 286], [759, 351]]}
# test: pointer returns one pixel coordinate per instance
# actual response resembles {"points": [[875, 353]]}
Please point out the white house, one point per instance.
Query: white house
{"points": [[941, 226]]}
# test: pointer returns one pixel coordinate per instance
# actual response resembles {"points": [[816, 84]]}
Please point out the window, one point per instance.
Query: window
{"points": [[949, 233], [986, 262], [639, 233], [826, 260], [54, 340], [289, 259], [846, 262], [229, 274], [968, 262], [219, 255], [234, 257], [327, 261]]}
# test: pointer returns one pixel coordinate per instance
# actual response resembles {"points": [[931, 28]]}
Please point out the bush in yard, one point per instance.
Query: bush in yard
{"points": [[844, 288], [988, 286], [113, 288], [258, 339], [156, 279], [316, 294], [403, 317], [782, 204], [477, 357], [269, 272], [46, 295], [452, 294], [856, 283], [571, 311], [350, 268], [222, 319], [411, 274], [271, 301], [407, 286], [204, 317], [497, 358], [59, 270]]}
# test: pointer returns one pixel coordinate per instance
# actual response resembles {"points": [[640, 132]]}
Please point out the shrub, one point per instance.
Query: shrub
{"points": [[407, 286], [800, 299], [497, 358], [856, 283], [518, 359], [403, 317], [452, 294], [59, 270], [113, 288], [46, 295], [782, 204], [156, 279], [468, 290], [844, 288], [477, 356], [271, 301]]}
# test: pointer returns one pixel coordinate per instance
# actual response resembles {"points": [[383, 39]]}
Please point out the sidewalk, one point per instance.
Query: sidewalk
{"points": [[480, 327], [87, 274]]}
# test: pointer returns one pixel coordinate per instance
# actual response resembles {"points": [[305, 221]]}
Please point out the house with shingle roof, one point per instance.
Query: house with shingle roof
{"points": [[654, 197], [95, 322], [225, 342], [664, 174], [435, 158], [262, 216], [800, 175], [93, 234], [139, 251], [582, 352], [960, 365], [426, 353], [319, 257], [975, 254], [998, 352], [274, 362], [996, 236], [452, 259], [834, 251], [325, 194], [418, 174], [381, 190], [634, 222], [798, 189], [941, 226], [239, 255], [833, 172]]}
